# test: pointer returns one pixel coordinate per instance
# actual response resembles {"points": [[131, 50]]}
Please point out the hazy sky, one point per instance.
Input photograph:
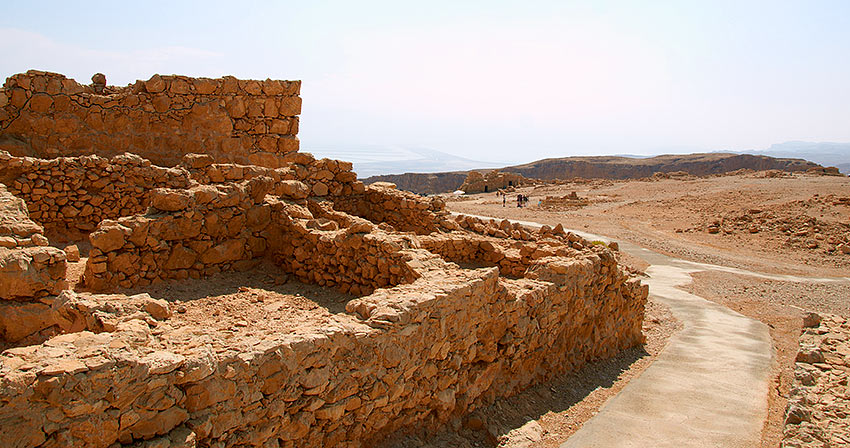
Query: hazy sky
{"points": [[488, 80]]}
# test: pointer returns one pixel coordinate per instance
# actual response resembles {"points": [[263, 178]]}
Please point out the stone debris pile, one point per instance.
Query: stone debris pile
{"points": [[817, 224], [817, 413]]}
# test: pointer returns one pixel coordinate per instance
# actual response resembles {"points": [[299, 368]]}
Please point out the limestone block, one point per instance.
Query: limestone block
{"points": [[31, 272]]}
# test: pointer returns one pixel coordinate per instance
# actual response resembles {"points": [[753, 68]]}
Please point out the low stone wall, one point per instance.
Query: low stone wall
{"points": [[188, 233], [48, 115], [72, 195], [381, 202], [512, 257], [417, 354], [329, 248], [323, 177]]}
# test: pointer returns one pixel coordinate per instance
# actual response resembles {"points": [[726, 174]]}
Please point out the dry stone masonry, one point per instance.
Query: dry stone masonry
{"points": [[443, 313], [47, 115]]}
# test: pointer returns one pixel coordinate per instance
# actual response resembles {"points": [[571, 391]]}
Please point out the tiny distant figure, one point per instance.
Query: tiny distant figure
{"points": [[519, 200], [504, 199]]}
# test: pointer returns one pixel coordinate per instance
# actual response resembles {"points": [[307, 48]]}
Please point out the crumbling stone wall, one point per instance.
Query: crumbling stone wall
{"points": [[72, 195], [329, 248], [491, 181], [426, 342], [412, 355], [381, 202], [188, 233], [48, 115], [323, 177], [29, 268], [30, 272]]}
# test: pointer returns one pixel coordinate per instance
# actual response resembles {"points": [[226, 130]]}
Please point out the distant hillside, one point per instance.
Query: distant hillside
{"points": [[605, 167], [630, 168]]}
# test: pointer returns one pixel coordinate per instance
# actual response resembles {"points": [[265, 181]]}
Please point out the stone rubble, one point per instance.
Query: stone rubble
{"points": [[817, 412]]}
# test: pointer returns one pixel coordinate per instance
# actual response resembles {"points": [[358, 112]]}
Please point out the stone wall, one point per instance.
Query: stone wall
{"points": [[425, 342], [72, 195], [48, 115], [187, 233], [29, 268], [209, 229], [418, 354], [328, 248], [323, 177], [30, 272], [491, 181], [381, 202]]}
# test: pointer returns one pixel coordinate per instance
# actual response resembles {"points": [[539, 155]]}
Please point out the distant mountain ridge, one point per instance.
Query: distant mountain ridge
{"points": [[824, 153], [606, 167]]}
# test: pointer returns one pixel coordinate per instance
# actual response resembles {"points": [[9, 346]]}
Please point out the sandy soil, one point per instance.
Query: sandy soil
{"points": [[675, 216], [769, 222]]}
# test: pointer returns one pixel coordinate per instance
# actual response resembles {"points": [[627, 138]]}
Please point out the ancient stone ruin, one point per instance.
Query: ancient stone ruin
{"points": [[491, 181], [177, 180]]}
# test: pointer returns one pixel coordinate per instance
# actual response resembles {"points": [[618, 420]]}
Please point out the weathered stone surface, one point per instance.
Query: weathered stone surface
{"points": [[109, 236], [171, 116], [72, 253], [19, 320], [423, 341], [28, 267], [816, 412]]}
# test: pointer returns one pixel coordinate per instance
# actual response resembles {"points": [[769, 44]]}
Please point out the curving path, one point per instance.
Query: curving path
{"points": [[707, 388]]}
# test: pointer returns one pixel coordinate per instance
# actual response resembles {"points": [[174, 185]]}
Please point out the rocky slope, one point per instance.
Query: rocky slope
{"points": [[605, 167]]}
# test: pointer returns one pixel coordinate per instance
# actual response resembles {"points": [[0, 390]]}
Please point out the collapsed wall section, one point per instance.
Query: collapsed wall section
{"points": [[29, 268], [248, 121], [72, 195]]}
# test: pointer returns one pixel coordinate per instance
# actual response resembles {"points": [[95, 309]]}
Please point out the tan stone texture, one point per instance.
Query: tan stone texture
{"points": [[449, 312], [46, 115]]}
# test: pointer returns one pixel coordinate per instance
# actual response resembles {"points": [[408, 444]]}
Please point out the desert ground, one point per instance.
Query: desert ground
{"points": [[768, 222]]}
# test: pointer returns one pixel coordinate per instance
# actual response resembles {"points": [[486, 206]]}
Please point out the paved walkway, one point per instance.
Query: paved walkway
{"points": [[707, 388]]}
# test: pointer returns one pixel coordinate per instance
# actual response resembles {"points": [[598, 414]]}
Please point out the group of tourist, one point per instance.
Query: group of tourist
{"points": [[521, 199]]}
